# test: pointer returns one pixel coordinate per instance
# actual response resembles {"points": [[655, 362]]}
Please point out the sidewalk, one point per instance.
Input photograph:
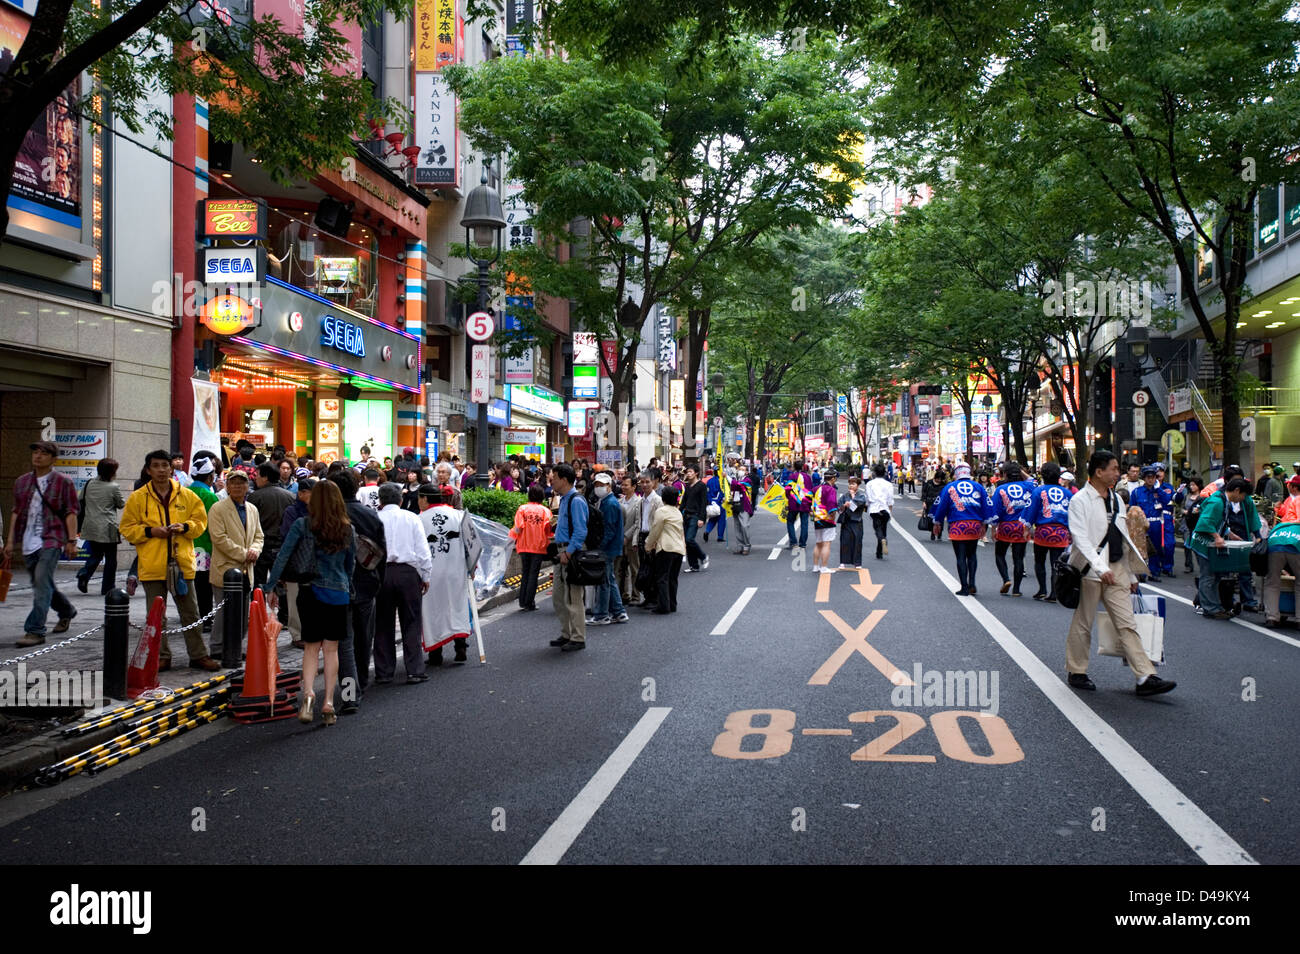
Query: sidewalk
{"points": [[29, 744]]}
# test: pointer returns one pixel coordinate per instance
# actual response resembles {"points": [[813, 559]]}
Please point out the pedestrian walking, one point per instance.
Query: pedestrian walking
{"points": [[1010, 500], [1111, 563], [852, 506], [44, 524], [694, 511], [570, 537], [608, 606], [162, 519], [930, 491], [879, 494], [667, 545], [1283, 554], [966, 507], [406, 578], [99, 513], [1048, 515], [322, 603], [531, 532], [717, 506]]}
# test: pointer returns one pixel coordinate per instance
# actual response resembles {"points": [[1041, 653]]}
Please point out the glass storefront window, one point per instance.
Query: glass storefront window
{"points": [[1292, 196], [1270, 231], [303, 255]]}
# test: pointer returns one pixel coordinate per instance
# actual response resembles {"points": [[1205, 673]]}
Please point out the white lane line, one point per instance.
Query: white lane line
{"points": [[776, 552], [1289, 640], [551, 847], [1214, 845], [733, 614]]}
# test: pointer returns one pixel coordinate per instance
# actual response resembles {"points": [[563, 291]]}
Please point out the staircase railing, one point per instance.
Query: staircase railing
{"points": [[1209, 418]]}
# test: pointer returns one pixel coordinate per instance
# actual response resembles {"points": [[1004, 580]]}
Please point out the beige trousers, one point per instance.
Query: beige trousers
{"points": [[1273, 583], [567, 601], [1118, 601]]}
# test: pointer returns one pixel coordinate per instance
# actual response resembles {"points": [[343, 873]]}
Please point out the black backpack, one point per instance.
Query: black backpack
{"points": [[595, 525]]}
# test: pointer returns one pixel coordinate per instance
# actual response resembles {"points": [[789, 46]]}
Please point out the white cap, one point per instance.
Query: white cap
{"points": [[603, 478], [201, 466], [1066, 476]]}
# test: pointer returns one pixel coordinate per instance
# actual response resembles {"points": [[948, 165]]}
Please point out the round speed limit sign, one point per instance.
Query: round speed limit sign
{"points": [[1141, 398], [479, 326]]}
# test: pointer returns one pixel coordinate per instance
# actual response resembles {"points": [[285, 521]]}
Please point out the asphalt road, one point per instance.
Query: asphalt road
{"points": [[645, 747]]}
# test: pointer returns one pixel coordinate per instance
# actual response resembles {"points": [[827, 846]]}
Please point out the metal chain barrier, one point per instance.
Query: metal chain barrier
{"points": [[180, 629], [49, 649]]}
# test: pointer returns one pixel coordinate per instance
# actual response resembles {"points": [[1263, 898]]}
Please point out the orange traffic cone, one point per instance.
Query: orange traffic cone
{"points": [[142, 674], [264, 693]]}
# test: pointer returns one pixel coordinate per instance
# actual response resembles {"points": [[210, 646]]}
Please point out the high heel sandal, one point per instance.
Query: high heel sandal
{"points": [[304, 713], [328, 716]]}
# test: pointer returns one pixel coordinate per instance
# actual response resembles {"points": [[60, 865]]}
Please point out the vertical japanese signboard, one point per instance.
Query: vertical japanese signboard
{"points": [[480, 390], [435, 106]]}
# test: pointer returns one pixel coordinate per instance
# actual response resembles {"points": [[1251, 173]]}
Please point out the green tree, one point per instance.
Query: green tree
{"points": [[290, 98], [689, 159]]}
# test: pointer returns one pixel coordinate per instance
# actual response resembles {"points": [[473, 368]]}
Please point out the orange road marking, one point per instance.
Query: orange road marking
{"points": [[823, 588], [865, 587], [827, 731], [855, 640]]}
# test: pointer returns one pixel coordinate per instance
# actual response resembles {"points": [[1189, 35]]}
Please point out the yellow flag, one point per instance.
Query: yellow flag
{"points": [[774, 501], [724, 486]]}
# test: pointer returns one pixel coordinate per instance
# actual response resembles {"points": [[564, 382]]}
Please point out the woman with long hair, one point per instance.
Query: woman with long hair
{"points": [[322, 603]]}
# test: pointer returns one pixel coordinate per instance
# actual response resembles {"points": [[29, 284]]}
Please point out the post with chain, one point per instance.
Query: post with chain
{"points": [[117, 620], [234, 618]]}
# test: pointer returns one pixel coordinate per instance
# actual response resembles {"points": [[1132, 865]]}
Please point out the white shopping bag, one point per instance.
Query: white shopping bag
{"points": [[1150, 628]]}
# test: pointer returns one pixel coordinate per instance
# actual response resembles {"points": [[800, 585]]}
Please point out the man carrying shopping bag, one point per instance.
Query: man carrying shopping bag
{"points": [[1110, 563]]}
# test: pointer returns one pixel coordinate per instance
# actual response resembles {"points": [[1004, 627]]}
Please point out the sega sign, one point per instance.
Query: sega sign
{"points": [[243, 265], [343, 335]]}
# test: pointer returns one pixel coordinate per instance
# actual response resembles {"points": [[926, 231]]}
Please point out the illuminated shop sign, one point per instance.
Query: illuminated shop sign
{"points": [[347, 337]]}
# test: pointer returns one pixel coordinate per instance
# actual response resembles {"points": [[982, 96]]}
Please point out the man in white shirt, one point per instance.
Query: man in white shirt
{"points": [[406, 578], [368, 493], [880, 505], [1132, 481], [1111, 563]]}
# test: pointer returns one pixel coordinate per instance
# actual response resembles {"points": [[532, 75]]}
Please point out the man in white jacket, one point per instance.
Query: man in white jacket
{"points": [[1111, 564]]}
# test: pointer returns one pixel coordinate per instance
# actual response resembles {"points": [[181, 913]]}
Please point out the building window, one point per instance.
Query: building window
{"points": [[321, 263]]}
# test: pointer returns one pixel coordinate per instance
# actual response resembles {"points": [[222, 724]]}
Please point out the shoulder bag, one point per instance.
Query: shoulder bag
{"points": [[585, 567], [301, 567]]}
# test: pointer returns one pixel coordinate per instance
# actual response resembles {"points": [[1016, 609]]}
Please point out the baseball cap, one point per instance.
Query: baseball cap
{"points": [[48, 446], [201, 466], [603, 478], [1066, 477]]}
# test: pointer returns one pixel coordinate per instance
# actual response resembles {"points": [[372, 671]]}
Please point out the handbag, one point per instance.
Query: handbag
{"points": [[6, 577], [585, 568], [644, 574], [926, 523], [712, 510], [301, 567]]}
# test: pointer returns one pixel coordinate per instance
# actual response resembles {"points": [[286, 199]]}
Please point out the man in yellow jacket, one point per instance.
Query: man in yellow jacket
{"points": [[162, 519]]}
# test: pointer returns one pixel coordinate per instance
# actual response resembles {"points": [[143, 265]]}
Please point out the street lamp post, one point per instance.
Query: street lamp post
{"points": [[484, 223]]}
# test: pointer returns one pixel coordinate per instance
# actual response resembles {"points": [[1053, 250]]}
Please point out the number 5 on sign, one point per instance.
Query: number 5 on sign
{"points": [[479, 326]]}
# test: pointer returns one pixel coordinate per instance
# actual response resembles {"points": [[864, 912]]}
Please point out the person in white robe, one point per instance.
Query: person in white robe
{"points": [[452, 543]]}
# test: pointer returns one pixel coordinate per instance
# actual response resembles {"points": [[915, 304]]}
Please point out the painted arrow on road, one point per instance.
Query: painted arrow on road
{"points": [[864, 586]]}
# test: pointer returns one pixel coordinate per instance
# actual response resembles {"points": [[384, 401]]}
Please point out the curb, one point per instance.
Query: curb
{"points": [[19, 763]]}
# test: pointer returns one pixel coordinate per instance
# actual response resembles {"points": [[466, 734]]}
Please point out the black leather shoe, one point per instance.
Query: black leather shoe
{"points": [[562, 641], [460, 654], [434, 658], [422, 677], [1080, 680], [1154, 685], [572, 647]]}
